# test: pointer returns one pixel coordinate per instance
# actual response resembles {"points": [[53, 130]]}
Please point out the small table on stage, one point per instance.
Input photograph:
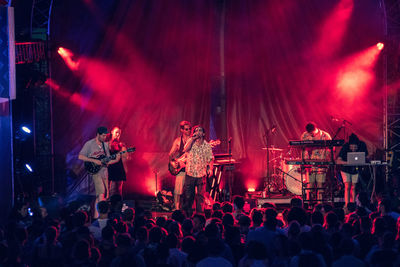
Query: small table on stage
{"points": [[223, 169]]}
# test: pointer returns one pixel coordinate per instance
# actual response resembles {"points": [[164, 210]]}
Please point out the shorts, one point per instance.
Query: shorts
{"points": [[316, 177], [348, 177], [100, 181], [179, 182]]}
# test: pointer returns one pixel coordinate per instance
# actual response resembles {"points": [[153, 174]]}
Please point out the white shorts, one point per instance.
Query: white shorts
{"points": [[347, 177], [179, 182]]}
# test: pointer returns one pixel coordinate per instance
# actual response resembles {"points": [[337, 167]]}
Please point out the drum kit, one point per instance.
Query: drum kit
{"points": [[282, 177]]}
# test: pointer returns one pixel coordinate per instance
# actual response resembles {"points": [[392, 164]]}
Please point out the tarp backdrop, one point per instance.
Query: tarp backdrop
{"points": [[146, 65]]}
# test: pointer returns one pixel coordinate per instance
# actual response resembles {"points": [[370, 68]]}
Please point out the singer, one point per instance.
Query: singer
{"points": [[199, 164]]}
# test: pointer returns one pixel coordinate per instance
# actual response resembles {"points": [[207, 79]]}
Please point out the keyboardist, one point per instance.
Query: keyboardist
{"points": [[317, 174], [350, 173]]}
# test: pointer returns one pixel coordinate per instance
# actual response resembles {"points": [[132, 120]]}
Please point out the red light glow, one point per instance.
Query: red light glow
{"points": [[334, 28], [251, 189], [380, 46], [74, 98], [356, 75]]}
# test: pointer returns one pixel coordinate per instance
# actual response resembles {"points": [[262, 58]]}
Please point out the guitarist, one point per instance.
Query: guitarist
{"points": [[176, 152], [93, 149]]}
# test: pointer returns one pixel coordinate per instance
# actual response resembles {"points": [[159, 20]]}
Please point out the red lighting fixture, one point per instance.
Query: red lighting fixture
{"points": [[251, 190], [380, 46], [67, 56]]}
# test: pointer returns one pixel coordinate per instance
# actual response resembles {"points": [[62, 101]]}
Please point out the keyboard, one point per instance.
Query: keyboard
{"points": [[317, 143], [310, 162]]}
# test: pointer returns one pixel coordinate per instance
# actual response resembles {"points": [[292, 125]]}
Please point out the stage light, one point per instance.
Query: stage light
{"points": [[380, 46], [63, 52], [251, 189], [68, 58], [26, 129], [28, 167]]}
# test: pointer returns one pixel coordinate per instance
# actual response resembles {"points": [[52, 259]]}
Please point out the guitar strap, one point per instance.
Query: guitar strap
{"points": [[181, 147], [104, 149]]}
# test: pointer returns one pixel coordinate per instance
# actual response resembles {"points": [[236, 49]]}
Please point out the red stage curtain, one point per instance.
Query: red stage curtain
{"points": [[146, 65]]}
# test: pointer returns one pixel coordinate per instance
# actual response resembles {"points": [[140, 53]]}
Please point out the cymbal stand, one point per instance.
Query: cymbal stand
{"points": [[267, 182]]}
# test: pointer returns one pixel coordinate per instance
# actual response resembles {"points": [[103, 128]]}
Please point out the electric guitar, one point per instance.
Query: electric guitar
{"points": [[93, 168], [177, 164]]}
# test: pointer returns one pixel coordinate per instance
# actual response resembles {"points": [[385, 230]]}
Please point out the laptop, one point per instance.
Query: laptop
{"points": [[356, 158]]}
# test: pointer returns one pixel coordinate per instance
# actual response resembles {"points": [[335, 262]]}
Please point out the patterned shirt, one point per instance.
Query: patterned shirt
{"points": [[317, 153], [321, 154], [198, 158]]}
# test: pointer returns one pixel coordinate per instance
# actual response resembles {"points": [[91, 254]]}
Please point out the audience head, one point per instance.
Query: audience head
{"points": [[297, 214], [172, 241], [365, 224], [232, 235], [270, 218], [188, 244], [80, 218], [124, 240], [228, 219], [267, 205], [215, 246], [199, 221], [178, 215], [156, 234], [108, 233], [317, 218], [294, 229], [217, 214], [128, 215], [384, 206], [142, 234], [187, 226], [103, 207], [330, 220], [351, 207], [238, 202], [121, 227], [244, 221], [378, 226], [216, 206], [257, 217], [362, 199], [160, 221], [213, 231], [227, 207], [296, 202]]}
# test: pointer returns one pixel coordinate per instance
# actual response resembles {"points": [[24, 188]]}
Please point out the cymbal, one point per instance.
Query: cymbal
{"points": [[272, 149]]}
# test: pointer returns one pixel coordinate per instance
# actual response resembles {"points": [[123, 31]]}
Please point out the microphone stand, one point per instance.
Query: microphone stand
{"points": [[343, 126], [335, 169]]}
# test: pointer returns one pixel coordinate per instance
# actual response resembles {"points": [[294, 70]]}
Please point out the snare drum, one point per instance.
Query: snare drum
{"points": [[292, 178]]}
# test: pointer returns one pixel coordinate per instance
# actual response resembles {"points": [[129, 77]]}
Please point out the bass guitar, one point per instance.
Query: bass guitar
{"points": [[93, 168], [177, 164]]}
